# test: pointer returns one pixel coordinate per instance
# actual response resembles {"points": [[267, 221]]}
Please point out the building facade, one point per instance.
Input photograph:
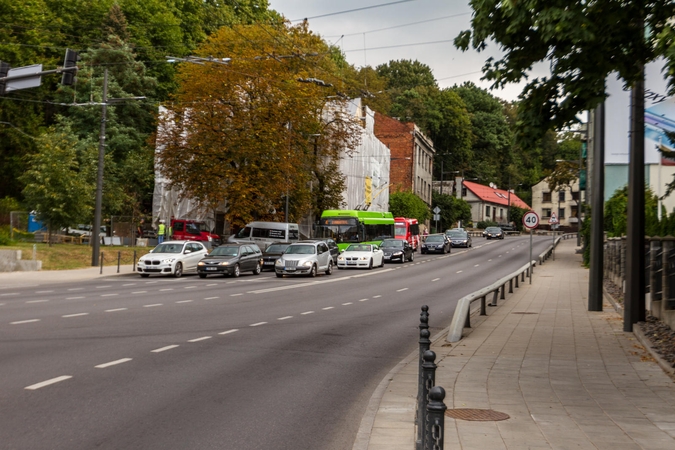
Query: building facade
{"points": [[412, 156], [564, 202], [488, 203]]}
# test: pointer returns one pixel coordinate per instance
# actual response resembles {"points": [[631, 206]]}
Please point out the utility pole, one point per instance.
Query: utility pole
{"points": [[597, 211], [95, 232]]}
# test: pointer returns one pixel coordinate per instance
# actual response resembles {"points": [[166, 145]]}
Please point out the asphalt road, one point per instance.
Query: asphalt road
{"points": [[249, 363]]}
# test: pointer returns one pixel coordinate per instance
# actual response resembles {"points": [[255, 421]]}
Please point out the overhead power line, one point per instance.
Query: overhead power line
{"points": [[353, 10]]}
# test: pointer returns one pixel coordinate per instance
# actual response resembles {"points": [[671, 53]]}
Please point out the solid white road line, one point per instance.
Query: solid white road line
{"points": [[229, 331], [285, 317], [32, 387], [163, 349], [76, 315], [200, 339], [117, 309], [113, 363], [24, 321], [257, 324]]}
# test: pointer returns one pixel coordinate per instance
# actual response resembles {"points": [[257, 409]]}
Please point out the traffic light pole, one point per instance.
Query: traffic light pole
{"points": [[95, 232]]}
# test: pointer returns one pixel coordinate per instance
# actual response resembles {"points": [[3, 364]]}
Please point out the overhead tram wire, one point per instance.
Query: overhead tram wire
{"points": [[405, 25], [354, 10]]}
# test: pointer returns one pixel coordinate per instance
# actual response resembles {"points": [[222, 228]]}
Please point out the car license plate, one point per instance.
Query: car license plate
{"points": [[290, 269], [269, 263], [351, 263], [211, 268]]}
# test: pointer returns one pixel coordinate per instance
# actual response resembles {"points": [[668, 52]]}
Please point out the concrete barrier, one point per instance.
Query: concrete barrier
{"points": [[10, 261]]}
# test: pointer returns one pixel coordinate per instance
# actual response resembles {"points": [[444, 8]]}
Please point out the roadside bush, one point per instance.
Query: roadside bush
{"points": [[483, 224], [5, 235]]}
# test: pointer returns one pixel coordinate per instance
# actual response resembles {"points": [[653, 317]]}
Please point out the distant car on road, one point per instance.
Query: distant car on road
{"points": [[231, 259], [459, 238], [361, 256], [172, 258], [272, 253], [436, 243], [494, 233], [305, 258], [397, 250]]}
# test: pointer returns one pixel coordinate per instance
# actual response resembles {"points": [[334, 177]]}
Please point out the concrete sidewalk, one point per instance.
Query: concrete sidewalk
{"points": [[20, 279], [566, 377]]}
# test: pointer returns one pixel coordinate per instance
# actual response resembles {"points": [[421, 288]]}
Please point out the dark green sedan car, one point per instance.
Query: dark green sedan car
{"points": [[231, 259]]}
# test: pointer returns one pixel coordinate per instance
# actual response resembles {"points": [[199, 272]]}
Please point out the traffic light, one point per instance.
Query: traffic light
{"points": [[68, 78], [4, 70]]}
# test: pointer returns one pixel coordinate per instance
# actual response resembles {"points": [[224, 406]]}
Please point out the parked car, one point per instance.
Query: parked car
{"points": [[305, 258], [272, 253], [494, 233], [397, 250], [172, 258], [231, 259], [193, 230], [361, 256], [459, 238], [332, 247], [436, 243]]}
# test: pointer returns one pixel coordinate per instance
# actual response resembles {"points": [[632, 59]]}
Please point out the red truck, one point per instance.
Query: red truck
{"points": [[408, 230], [193, 230]]}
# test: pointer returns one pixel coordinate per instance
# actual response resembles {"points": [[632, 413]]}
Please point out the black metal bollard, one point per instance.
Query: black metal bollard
{"points": [[101, 261], [429, 375], [133, 268], [119, 256], [436, 414], [425, 344]]}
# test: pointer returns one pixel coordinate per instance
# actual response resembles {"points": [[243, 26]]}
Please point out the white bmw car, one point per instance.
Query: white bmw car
{"points": [[362, 256], [172, 258]]}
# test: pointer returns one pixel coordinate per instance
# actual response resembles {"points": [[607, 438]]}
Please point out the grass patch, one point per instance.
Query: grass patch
{"points": [[73, 256]]}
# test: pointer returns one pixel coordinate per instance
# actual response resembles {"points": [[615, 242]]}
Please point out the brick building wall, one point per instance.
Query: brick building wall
{"points": [[399, 137]]}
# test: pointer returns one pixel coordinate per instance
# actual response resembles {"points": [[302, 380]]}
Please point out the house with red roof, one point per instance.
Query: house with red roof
{"points": [[489, 203]]}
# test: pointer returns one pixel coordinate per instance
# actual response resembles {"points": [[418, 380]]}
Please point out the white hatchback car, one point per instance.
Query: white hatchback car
{"points": [[361, 256], [172, 258]]}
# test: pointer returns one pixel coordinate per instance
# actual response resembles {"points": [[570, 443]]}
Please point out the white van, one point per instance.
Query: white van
{"points": [[264, 233]]}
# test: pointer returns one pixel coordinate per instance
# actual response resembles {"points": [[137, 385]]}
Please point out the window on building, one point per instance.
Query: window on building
{"points": [[561, 213], [575, 195], [501, 213], [547, 197], [561, 196], [574, 210], [487, 211], [463, 191], [545, 213]]}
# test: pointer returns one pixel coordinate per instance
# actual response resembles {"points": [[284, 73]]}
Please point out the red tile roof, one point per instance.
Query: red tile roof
{"points": [[497, 196]]}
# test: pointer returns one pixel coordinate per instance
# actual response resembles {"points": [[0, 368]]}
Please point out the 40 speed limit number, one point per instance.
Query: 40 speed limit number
{"points": [[530, 220]]}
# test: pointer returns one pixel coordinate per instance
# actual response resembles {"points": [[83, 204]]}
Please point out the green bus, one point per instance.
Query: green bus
{"points": [[354, 226]]}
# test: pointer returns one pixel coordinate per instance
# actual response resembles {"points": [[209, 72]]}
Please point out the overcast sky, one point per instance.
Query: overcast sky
{"points": [[441, 21]]}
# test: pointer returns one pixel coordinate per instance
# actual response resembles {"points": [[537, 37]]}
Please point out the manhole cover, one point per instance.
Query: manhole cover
{"points": [[484, 415], [523, 312]]}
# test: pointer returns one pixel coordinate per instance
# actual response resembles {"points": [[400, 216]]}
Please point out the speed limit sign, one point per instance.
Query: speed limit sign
{"points": [[531, 220]]}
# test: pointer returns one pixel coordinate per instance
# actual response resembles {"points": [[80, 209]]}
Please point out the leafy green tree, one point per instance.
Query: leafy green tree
{"points": [[59, 179], [407, 204], [580, 42], [453, 209], [616, 213]]}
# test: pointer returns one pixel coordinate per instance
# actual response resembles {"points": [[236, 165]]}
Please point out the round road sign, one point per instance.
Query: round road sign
{"points": [[530, 220]]}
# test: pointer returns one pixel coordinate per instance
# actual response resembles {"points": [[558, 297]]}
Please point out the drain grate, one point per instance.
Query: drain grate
{"points": [[523, 312], [483, 415]]}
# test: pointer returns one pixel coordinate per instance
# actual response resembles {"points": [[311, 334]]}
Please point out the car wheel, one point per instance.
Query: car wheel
{"points": [[257, 270], [280, 275], [145, 275], [178, 271], [423, 252], [382, 263], [370, 266], [236, 271], [202, 275], [412, 257], [312, 271], [330, 267]]}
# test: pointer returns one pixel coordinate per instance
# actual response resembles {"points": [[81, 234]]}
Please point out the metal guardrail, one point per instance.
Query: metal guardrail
{"points": [[462, 316]]}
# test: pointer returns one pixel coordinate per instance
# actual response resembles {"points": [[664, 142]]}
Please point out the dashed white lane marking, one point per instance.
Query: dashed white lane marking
{"points": [[401, 290], [189, 287], [230, 331], [499, 256], [43, 292], [257, 324], [76, 289], [109, 295], [139, 292], [477, 265], [363, 300], [489, 260], [32, 387], [73, 298], [285, 318], [9, 293], [153, 305], [19, 322], [113, 363], [129, 284], [347, 304], [163, 349], [459, 271], [164, 290], [203, 338], [328, 307], [184, 301], [37, 301], [76, 315], [210, 298], [101, 287], [307, 312], [151, 282], [2, 304], [435, 279], [212, 284], [236, 295], [377, 296], [116, 309]]}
